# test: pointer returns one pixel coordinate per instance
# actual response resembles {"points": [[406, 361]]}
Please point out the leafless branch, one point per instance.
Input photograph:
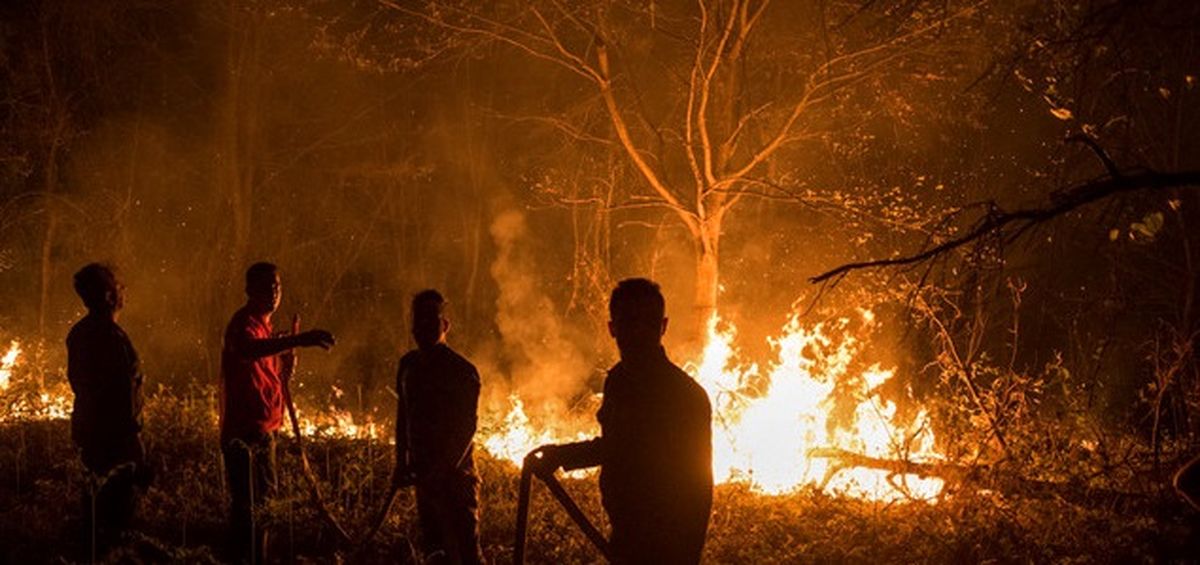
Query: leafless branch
{"points": [[1022, 219]]}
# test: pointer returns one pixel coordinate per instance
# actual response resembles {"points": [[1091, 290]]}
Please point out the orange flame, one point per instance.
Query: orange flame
{"points": [[7, 363], [766, 423], [45, 404]]}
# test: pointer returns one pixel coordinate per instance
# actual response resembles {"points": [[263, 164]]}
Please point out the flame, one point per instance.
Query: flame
{"points": [[773, 424], [770, 426], [7, 363], [515, 437], [337, 423], [25, 400]]}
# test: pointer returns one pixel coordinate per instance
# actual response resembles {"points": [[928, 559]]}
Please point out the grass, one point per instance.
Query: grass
{"points": [[181, 518]]}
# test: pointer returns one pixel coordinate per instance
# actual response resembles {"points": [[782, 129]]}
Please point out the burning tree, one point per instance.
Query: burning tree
{"points": [[711, 102]]}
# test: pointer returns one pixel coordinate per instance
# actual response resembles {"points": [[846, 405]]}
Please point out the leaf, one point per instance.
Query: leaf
{"points": [[1113, 234]]}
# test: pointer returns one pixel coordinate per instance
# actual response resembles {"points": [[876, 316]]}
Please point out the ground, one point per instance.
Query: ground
{"points": [[181, 517]]}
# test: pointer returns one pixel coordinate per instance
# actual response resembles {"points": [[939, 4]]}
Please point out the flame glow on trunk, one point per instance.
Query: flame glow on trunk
{"points": [[768, 420]]}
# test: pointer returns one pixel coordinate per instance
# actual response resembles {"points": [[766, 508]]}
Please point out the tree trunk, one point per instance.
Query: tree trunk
{"points": [[46, 271], [57, 120], [707, 276]]}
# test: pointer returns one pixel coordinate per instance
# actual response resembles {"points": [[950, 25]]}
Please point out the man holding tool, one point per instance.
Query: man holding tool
{"points": [[254, 367], [655, 444]]}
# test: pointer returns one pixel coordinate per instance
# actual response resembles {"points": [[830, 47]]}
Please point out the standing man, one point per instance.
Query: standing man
{"points": [[106, 422], [435, 431], [254, 368], [655, 444]]}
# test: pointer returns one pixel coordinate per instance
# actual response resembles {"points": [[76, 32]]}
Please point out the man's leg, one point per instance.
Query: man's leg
{"points": [[464, 521], [265, 484], [109, 499], [238, 477], [116, 502], [431, 518], [119, 490]]}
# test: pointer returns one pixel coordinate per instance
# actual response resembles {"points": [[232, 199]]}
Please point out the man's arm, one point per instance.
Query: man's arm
{"points": [[250, 347], [582, 454]]}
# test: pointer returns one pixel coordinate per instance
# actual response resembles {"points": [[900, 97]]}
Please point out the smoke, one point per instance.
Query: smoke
{"points": [[544, 357]]}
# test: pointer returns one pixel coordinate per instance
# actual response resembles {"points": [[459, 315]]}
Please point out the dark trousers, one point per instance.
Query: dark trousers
{"points": [[110, 497], [250, 476], [653, 538], [447, 508]]}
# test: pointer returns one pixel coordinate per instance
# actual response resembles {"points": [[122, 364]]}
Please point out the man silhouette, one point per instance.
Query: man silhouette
{"points": [[106, 422], [435, 429], [655, 444], [254, 367]]}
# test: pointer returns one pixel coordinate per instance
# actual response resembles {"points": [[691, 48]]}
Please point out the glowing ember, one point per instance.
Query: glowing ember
{"points": [[767, 424], [7, 363]]}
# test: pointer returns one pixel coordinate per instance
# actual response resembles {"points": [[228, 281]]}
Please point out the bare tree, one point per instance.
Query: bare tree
{"points": [[703, 99]]}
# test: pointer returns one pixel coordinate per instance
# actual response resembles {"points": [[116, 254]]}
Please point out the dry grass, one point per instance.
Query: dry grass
{"points": [[182, 515]]}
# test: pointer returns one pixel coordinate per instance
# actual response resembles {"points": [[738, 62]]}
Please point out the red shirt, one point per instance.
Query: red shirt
{"points": [[251, 391]]}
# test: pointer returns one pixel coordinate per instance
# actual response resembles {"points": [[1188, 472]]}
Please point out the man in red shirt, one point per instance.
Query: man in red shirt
{"points": [[254, 367]]}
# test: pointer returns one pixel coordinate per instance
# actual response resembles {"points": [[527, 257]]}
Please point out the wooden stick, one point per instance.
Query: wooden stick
{"points": [[313, 487], [522, 515], [560, 494], [577, 514]]}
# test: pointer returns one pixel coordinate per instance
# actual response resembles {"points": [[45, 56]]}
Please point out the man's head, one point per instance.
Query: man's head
{"points": [[429, 322], [262, 287], [637, 315], [99, 288]]}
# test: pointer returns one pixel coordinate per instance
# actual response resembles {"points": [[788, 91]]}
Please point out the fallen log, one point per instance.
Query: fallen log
{"points": [[979, 478]]}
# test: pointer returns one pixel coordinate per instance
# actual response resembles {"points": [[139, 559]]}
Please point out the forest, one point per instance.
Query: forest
{"points": [[936, 264]]}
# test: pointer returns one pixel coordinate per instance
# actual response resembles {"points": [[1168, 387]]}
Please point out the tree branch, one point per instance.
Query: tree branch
{"points": [[1023, 219]]}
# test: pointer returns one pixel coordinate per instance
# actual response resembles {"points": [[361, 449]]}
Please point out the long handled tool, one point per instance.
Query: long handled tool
{"points": [[564, 499], [314, 488]]}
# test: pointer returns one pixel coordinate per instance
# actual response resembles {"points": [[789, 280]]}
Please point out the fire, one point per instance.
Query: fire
{"points": [[515, 437], [25, 400], [769, 423], [337, 423], [7, 363]]}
